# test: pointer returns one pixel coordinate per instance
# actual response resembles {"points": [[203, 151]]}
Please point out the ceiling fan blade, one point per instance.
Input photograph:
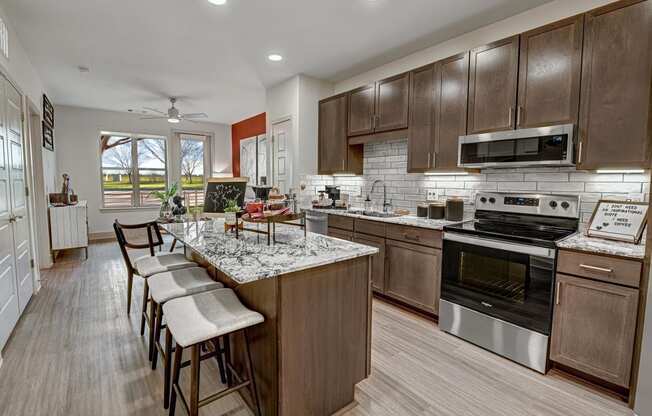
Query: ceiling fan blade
{"points": [[154, 118], [154, 110], [194, 115]]}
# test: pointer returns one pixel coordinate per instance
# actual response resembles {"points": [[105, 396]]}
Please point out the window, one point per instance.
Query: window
{"points": [[194, 156], [132, 167]]}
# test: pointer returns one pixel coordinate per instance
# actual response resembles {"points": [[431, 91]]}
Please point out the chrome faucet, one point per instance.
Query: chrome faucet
{"points": [[386, 204]]}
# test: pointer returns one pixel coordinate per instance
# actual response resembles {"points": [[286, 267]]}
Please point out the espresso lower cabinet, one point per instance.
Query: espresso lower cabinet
{"points": [[341, 234], [378, 260], [413, 274], [594, 327]]}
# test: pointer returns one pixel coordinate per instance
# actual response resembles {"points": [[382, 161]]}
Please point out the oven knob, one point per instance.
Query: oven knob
{"points": [[492, 200], [553, 204], [483, 200], [565, 205]]}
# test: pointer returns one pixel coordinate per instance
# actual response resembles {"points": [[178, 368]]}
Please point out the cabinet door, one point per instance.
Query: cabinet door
{"points": [[421, 137], [593, 328], [549, 74], [341, 234], [413, 274], [392, 103], [452, 87], [492, 86], [362, 110], [616, 76], [333, 145], [377, 261]]}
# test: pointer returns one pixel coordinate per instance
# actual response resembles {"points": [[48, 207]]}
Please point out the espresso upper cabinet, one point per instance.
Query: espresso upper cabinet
{"points": [[421, 140], [492, 86], [362, 110], [392, 100], [550, 64], [333, 144], [451, 90], [614, 127]]}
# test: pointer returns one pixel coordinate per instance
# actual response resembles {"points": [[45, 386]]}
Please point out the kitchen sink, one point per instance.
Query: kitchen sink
{"points": [[377, 214]]}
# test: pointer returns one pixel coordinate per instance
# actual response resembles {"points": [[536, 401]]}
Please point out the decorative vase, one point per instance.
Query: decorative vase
{"points": [[164, 212], [229, 218]]}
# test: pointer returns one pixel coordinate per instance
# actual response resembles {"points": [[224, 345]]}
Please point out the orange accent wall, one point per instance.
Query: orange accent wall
{"points": [[250, 127]]}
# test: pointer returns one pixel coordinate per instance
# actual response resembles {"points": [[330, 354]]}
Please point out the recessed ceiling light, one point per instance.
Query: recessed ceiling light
{"points": [[82, 68], [274, 57], [217, 2]]}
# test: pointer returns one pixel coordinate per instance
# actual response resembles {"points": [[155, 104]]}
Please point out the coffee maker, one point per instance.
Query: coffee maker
{"points": [[333, 193]]}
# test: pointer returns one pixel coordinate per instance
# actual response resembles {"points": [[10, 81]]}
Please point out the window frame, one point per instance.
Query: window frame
{"points": [[136, 193]]}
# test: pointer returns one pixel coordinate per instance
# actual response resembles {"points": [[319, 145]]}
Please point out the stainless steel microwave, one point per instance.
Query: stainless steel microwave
{"points": [[540, 146]]}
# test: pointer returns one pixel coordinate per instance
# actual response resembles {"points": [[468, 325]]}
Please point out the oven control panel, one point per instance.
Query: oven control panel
{"points": [[537, 204]]}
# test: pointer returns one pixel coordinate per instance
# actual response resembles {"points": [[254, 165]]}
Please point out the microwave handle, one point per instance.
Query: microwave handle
{"points": [[501, 245]]}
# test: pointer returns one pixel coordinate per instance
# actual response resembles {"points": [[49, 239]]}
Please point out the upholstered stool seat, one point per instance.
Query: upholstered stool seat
{"points": [[147, 266], [183, 282], [208, 315]]}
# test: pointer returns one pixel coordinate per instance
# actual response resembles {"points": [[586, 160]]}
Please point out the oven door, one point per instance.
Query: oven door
{"points": [[509, 281]]}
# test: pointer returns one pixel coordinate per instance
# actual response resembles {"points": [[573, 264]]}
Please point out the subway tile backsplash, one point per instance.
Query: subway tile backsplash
{"points": [[388, 161]]}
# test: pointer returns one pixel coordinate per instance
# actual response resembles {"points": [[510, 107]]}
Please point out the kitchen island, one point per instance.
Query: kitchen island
{"points": [[314, 292]]}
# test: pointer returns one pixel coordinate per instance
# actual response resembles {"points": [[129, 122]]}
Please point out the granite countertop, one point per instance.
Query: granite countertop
{"points": [[579, 241], [409, 220], [249, 258]]}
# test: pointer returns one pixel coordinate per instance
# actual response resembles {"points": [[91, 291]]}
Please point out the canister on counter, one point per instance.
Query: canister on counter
{"points": [[422, 210], [436, 211], [454, 209]]}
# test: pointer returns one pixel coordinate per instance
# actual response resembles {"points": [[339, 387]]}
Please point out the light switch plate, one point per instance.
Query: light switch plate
{"points": [[432, 195]]}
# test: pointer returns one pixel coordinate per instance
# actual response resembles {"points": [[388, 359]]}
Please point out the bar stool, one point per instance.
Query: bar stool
{"points": [[164, 287], [146, 235], [193, 320]]}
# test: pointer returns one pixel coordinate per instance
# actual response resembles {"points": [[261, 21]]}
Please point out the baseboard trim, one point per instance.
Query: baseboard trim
{"points": [[102, 236]]}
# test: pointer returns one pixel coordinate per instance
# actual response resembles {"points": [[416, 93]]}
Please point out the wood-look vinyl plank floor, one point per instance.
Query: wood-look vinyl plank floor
{"points": [[75, 352]]}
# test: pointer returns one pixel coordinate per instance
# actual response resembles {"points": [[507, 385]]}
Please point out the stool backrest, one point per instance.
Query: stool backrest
{"points": [[137, 236]]}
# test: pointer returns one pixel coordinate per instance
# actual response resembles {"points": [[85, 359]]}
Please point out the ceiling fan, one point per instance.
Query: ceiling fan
{"points": [[173, 115]]}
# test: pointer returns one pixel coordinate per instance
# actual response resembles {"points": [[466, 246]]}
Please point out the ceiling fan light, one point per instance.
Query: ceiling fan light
{"points": [[173, 120]]}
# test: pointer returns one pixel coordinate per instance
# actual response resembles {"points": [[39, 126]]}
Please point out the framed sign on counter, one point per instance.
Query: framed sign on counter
{"points": [[618, 220]]}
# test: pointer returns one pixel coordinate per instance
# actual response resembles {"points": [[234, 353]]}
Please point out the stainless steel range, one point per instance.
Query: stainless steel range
{"points": [[498, 273]]}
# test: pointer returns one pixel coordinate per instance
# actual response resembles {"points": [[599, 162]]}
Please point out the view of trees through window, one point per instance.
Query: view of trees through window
{"points": [[132, 167], [192, 170]]}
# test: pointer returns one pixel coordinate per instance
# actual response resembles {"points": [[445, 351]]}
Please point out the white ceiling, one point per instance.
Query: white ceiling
{"points": [[214, 57]]}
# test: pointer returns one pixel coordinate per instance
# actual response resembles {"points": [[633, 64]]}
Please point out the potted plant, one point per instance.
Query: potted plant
{"points": [[165, 197], [230, 211]]}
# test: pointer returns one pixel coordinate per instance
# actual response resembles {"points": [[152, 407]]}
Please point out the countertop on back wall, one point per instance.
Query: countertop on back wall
{"points": [[581, 242], [409, 220]]}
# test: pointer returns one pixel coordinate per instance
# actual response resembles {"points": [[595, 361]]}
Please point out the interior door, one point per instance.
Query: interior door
{"points": [[9, 306], [281, 162], [18, 196]]}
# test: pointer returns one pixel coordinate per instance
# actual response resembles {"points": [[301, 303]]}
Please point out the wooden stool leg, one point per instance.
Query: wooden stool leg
{"points": [[194, 379], [250, 373], [144, 309], [174, 244], [157, 333], [178, 352], [151, 319], [167, 369], [220, 360], [227, 360], [130, 284]]}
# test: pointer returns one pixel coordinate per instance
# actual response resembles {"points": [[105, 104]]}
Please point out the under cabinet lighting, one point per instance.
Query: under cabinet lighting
{"points": [[446, 173], [620, 171], [344, 174]]}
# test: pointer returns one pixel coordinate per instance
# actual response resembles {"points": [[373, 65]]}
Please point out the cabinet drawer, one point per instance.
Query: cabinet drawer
{"points": [[370, 227], [338, 221], [606, 269], [430, 238], [341, 234]]}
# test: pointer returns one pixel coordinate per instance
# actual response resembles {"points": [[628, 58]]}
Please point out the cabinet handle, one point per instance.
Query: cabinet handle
{"points": [[519, 110], [579, 154], [428, 159], [411, 238], [343, 168], [596, 268], [511, 109], [557, 293]]}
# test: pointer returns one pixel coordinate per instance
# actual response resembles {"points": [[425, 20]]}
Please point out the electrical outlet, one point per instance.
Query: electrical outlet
{"points": [[432, 195]]}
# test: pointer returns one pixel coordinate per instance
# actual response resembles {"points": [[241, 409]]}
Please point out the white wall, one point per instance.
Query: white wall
{"points": [[77, 149], [513, 25], [298, 98]]}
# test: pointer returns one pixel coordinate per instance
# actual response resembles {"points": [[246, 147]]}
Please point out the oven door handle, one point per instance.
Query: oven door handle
{"points": [[501, 245]]}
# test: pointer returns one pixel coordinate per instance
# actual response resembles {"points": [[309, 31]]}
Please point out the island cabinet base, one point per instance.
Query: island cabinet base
{"points": [[314, 345]]}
